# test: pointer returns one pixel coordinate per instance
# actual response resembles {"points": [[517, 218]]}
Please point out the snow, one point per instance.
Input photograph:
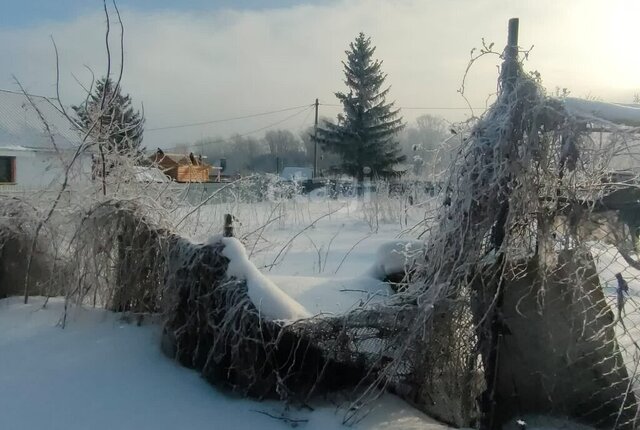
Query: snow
{"points": [[616, 113], [395, 257], [103, 373], [545, 423], [326, 270], [149, 174], [333, 295], [296, 173], [16, 148], [609, 262], [291, 298], [271, 301]]}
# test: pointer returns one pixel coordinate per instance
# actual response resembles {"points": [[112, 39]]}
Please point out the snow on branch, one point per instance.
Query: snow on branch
{"points": [[621, 114]]}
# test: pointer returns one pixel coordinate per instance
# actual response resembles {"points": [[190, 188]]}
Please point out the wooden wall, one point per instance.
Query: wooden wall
{"points": [[191, 173]]}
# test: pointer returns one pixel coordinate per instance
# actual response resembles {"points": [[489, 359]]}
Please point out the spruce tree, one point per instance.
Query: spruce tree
{"points": [[109, 117], [365, 135]]}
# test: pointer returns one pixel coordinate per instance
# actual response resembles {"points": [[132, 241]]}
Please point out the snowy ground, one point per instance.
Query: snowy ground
{"points": [[608, 263], [101, 372], [307, 237], [319, 251]]}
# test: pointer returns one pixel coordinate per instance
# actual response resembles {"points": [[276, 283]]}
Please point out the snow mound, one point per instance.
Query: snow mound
{"points": [[271, 301], [395, 257], [333, 295]]}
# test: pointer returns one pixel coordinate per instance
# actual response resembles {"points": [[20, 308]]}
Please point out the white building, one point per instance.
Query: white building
{"points": [[31, 158], [296, 173]]}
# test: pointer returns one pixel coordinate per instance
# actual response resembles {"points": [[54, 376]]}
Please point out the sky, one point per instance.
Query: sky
{"points": [[196, 61]]}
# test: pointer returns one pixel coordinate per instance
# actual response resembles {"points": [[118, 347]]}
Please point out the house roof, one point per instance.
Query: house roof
{"points": [[149, 174], [21, 126], [177, 159]]}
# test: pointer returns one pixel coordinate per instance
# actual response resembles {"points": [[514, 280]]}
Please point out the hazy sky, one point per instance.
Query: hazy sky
{"points": [[194, 61]]}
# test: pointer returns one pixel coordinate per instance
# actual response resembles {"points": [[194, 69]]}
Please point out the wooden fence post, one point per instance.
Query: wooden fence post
{"points": [[494, 337], [228, 226]]}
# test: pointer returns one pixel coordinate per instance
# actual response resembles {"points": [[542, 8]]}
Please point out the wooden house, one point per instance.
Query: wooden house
{"points": [[182, 168]]}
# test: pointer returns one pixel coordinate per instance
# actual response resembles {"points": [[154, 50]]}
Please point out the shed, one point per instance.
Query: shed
{"points": [[182, 168]]}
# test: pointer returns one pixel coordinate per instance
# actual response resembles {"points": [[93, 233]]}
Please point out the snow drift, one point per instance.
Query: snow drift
{"points": [[271, 301]]}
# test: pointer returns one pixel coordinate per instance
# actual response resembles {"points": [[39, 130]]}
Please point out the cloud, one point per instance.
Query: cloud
{"points": [[194, 66]]}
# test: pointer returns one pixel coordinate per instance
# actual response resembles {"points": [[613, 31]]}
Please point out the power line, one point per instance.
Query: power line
{"points": [[235, 118], [439, 108], [214, 121], [416, 107], [201, 145], [307, 107], [301, 109], [304, 120]]}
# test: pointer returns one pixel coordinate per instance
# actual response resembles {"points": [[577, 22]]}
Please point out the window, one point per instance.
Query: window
{"points": [[7, 169]]}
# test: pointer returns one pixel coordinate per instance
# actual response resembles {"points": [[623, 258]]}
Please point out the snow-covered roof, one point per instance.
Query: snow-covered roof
{"points": [[175, 157], [622, 114], [166, 158], [400, 168], [21, 126], [296, 173], [14, 148], [149, 174]]}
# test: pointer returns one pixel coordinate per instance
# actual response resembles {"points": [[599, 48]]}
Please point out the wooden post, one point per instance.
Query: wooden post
{"points": [[494, 337], [510, 71], [228, 226], [512, 40]]}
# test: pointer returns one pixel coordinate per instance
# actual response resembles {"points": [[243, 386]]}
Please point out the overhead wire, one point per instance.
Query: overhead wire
{"points": [[235, 118], [215, 121], [301, 110], [415, 107]]}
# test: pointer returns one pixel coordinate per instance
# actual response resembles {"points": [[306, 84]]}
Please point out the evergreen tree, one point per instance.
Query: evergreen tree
{"points": [[118, 127], [365, 135]]}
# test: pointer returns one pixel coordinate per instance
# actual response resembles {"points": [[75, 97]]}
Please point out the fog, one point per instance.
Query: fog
{"points": [[190, 66]]}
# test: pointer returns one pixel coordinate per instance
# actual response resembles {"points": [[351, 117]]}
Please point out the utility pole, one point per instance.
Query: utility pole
{"points": [[315, 144]]}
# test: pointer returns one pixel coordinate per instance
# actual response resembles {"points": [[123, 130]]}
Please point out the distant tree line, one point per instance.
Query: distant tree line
{"points": [[421, 142], [269, 153], [427, 146]]}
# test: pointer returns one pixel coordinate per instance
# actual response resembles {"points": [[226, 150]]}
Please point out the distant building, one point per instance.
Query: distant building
{"points": [[28, 158], [296, 173], [182, 168]]}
